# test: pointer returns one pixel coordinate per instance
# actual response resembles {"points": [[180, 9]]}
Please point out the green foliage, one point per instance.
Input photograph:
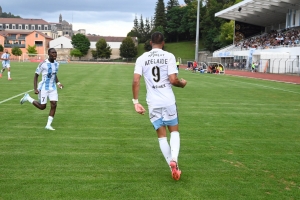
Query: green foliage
{"points": [[142, 30], [179, 23], [76, 52], [128, 48], [103, 49], [147, 46], [174, 17], [171, 4], [94, 54], [226, 34], [8, 15], [160, 15], [31, 50], [1, 48], [81, 42], [16, 51]]}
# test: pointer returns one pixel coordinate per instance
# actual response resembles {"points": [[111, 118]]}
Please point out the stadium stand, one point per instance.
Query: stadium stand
{"points": [[266, 33]]}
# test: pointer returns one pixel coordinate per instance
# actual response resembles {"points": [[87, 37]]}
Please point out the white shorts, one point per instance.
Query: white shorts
{"points": [[166, 116], [45, 94], [5, 66]]}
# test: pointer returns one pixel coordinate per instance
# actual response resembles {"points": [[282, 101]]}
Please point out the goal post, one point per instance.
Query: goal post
{"points": [[34, 57]]}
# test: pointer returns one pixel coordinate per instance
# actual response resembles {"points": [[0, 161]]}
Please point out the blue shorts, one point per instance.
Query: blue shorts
{"points": [[166, 116]]}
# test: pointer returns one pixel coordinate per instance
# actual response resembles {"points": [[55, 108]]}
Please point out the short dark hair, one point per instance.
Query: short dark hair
{"points": [[50, 50], [157, 37]]}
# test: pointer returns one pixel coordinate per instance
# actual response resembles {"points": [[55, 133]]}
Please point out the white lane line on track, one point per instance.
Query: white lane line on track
{"points": [[14, 96]]}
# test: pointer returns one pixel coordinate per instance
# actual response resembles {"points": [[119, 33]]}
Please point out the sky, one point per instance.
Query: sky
{"points": [[100, 17]]}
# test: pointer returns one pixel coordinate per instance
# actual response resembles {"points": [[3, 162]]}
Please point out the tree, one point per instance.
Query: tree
{"points": [[16, 51], [174, 17], [31, 50], [188, 22], [76, 53], [172, 3], [128, 48], [1, 48], [103, 49], [94, 54], [81, 43], [226, 34], [147, 46], [160, 15]]}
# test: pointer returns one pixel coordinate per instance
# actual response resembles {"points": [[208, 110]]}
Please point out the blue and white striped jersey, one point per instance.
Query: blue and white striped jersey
{"points": [[5, 56], [48, 71]]}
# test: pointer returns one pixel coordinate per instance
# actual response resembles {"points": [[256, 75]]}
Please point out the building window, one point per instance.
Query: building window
{"points": [[13, 26], [39, 27], [26, 27], [38, 43], [46, 28], [36, 35], [20, 26], [7, 26], [32, 27]]}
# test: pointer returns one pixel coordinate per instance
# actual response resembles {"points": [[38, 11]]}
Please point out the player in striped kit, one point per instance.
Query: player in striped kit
{"points": [[47, 87], [5, 64]]}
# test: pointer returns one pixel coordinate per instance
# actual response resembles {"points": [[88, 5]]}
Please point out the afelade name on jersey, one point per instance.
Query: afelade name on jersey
{"points": [[156, 61]]}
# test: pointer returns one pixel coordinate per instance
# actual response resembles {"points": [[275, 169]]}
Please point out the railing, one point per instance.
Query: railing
{"points": [[14, 45], [11, 38]]}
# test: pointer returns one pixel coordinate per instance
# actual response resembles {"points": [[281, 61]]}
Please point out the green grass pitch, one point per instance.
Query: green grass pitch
{"points": [[240, 139]]}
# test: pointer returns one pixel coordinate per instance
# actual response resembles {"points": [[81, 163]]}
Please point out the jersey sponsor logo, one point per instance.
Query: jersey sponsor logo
{"points": [[155, 54], [159, 86]]}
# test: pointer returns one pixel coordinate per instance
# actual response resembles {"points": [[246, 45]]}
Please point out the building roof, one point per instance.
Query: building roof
{"points": [[23, 21], [4, 33], [260, 12], [44, 35], [93, 38]]}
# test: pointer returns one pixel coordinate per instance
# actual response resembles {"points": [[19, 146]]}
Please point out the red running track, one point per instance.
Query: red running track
{"points": [[294, 79]]}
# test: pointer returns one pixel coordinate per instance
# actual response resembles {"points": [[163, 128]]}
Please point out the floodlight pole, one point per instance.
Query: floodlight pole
{"points": [[197, 32]]}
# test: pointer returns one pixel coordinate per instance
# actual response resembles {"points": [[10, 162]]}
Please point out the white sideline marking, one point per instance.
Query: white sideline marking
{"points": [[14, 96]]}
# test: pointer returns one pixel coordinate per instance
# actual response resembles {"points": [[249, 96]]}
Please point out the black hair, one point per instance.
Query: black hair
{"points": [[157, 37], [50, 50]]}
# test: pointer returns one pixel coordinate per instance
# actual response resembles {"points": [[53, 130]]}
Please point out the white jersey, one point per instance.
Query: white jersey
{"points": [[156, 66], [48, 71], [5, 56]]}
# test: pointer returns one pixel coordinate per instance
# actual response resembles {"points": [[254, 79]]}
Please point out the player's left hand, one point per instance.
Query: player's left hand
{"points": [[60, 86], [139, 108]]}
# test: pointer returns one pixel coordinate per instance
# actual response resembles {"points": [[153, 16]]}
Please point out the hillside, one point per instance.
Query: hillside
{"points": [[184, 50]]}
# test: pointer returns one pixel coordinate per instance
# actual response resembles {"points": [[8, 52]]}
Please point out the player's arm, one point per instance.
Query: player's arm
{"points": [[176, 82], [58, 83], [135, 92]]}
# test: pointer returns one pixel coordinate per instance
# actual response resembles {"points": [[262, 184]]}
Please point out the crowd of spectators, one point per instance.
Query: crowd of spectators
{"points": [[286, 37]]}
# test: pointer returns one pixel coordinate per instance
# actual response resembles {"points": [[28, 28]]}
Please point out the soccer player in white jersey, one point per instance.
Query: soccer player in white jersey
{"points": [[47, 86], [160, 73], [5, 64]]}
